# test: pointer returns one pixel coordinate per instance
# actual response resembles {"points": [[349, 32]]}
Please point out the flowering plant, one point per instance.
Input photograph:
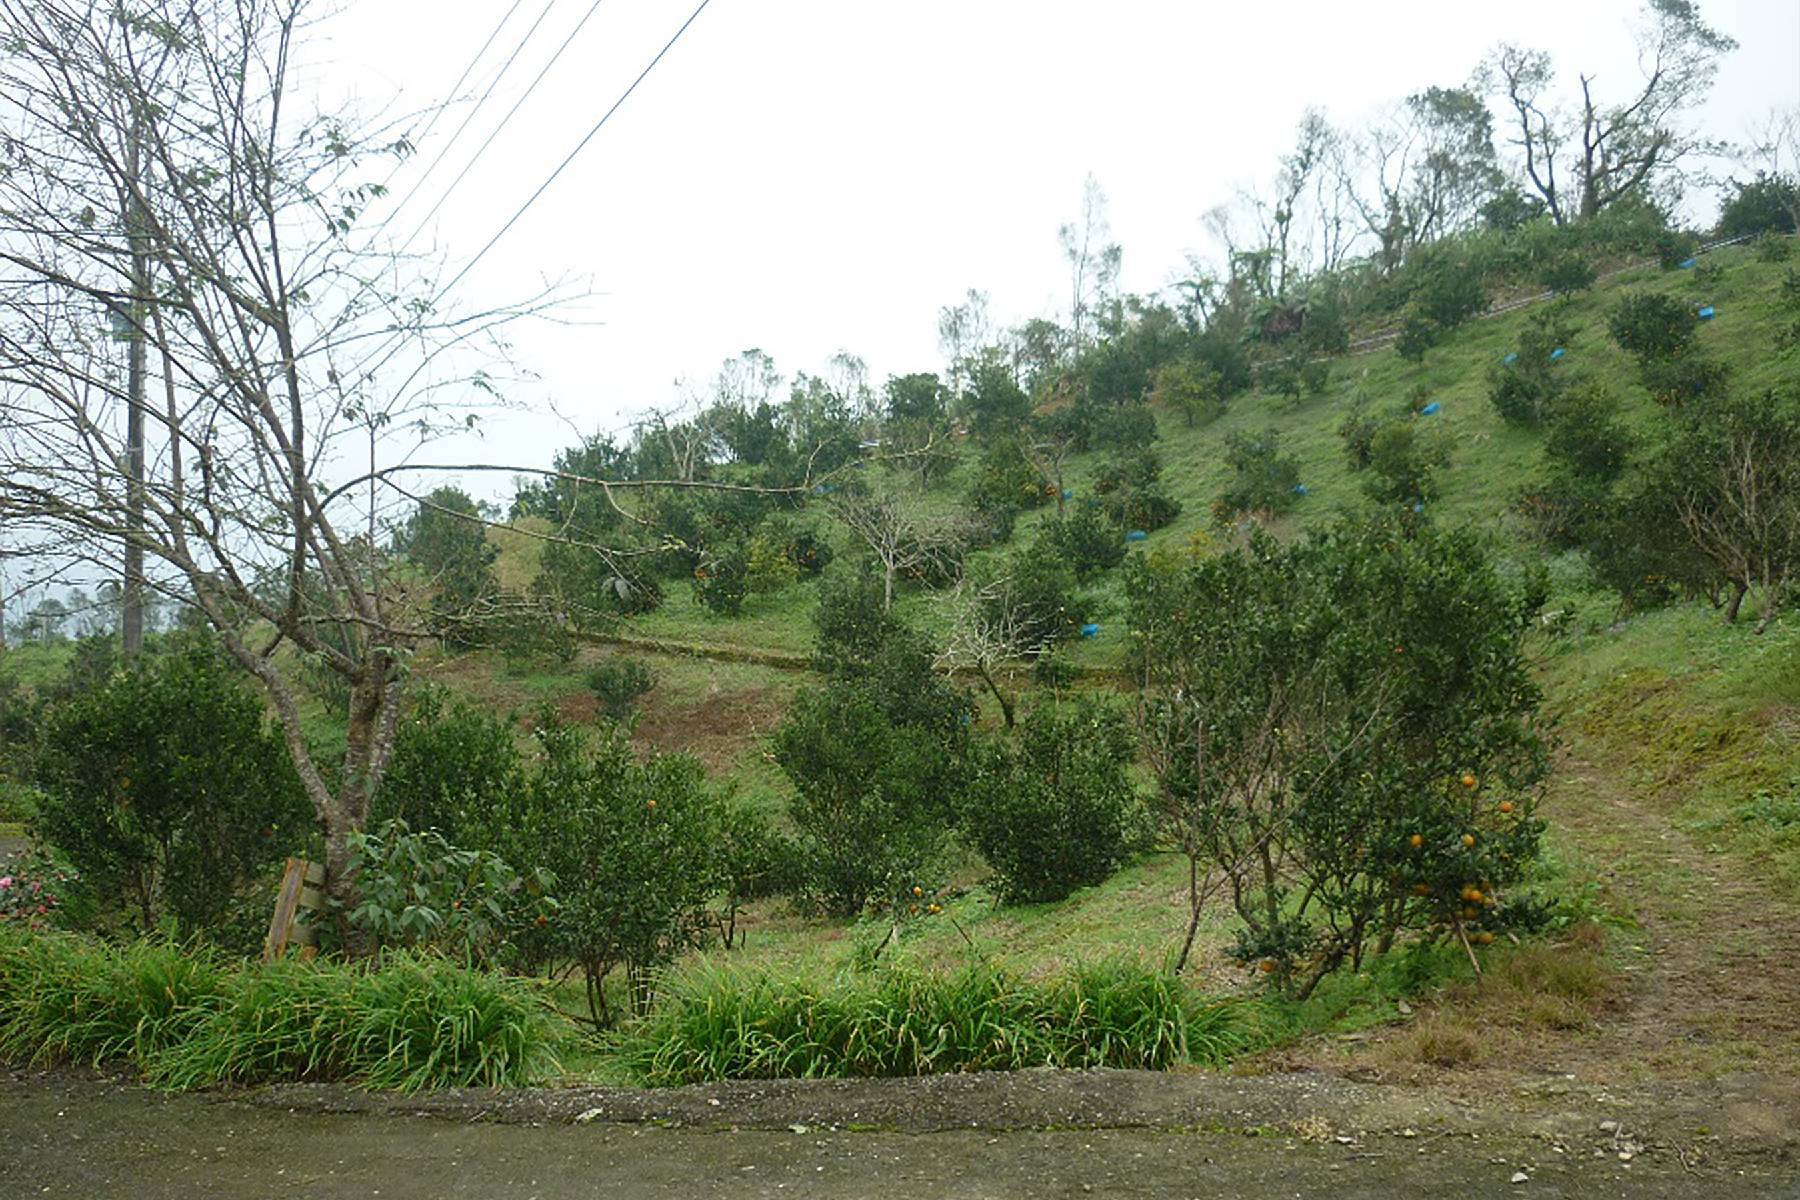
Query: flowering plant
{"points": [[32, 890]]}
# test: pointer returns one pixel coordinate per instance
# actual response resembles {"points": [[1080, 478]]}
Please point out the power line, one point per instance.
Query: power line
{"points": [[400, 334], [496, 131], [579, 147], [444, 150]]}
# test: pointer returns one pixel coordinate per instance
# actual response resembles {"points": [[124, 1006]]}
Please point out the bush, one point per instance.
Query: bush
{"points": [[617, 683], [1674, 247], [632, 844], [1765, 205], [1653, 326], [1006, 480], [1774, 248], [1404, 461], [168, 790], [1263, 478], [33, 891], [1192, 389], [1357, 705], [1087, 539], [758, 861], [416, 891], [1280, 376], [1417, 335], [1567, 273], [1055, 810], [870, 795], [722, 579], [452, 762], [719, 1024], [1525, 390]]}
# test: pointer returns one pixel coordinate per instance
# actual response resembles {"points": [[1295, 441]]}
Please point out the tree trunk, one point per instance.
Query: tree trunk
{"points": [[1738, 588]]}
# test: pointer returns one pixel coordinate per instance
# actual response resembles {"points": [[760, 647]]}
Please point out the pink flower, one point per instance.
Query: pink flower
{"points": [[36, 888], [5, 881]]}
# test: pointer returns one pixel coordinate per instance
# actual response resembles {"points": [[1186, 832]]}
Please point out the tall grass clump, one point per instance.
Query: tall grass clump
{"points": [[414, 1023], [186, 1019], [719, 1023], [65, 998]]}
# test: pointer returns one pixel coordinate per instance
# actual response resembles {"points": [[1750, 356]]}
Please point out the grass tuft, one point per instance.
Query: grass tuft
{"points": [[716, 1022], [186, 1019]]}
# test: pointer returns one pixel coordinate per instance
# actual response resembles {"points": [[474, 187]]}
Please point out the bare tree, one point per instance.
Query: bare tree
{"points": [[293, 369], [1093, 259], [1580, 161], [990, 629], [963, 331], [903, 536], [1739, 505]]}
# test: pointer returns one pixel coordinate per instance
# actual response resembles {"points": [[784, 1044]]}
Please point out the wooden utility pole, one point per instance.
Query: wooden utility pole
{"points": [[131, 633]]}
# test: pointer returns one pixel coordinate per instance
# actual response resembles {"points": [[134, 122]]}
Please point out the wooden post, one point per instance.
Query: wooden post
{"points": [[302, 887]]}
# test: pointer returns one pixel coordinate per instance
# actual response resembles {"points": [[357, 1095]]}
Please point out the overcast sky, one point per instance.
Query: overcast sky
{"points": [[808, 176]]}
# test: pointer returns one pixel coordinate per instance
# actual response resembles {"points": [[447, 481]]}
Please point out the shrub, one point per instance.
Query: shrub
{"points": [[1525, 390], [758, 861], [416, 891], [168, 790], [870, 795], [1567, 273], [1653, 326], [1191, 388], [769, 562], [617, 683], [446, 539], [1674, 247], [1087, 539], [1263, 478], [1766, 205], [1356, 705], [1054, 809], [33, 891], [1774, 248], [1316, 376], [451, 763], [722, 1024], [1418, 334], [1281, 376], [1006, 480], [1404, 461], [632, 844], [722, 579]]}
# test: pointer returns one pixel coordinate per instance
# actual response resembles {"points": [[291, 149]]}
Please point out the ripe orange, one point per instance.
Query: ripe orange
{"points": [[934, 908], [918, 891], [1421, 889], [1485, 938], [1266, 966], [1506, 806], [649, 804], [1468, 841], [1469, 914], [1472, 895], [1416, 841]]}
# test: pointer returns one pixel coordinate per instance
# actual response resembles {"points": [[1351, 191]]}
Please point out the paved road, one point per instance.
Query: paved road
{"points": [[65, 1137]]}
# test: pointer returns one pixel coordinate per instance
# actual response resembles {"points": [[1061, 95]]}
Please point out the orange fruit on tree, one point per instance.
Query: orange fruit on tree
{"points": [[1506, 806], [1485, 938], [1266, 966], [1421, 889], [1468, 841], [917, 890], [1469, 780], [1416, 841]]}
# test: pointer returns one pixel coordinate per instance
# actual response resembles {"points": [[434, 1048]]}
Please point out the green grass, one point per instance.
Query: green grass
{"points": [[717, 1023], [187, 1018]]}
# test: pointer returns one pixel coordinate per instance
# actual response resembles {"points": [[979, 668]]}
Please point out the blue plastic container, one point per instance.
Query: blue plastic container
{"points": [[1687, 264], [1067, 494], [1299, 489], [1089, 631], [1510, 359], [1135, 535], [1705, 314], [1429, 409], [1557, 353], [1418, 508]]}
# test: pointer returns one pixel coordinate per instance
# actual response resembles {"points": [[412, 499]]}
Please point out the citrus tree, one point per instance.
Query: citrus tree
{"points": [[1345, 738]]}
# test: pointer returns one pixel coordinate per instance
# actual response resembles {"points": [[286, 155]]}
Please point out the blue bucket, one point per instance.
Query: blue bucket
{"points": [[1088, 631], [1557, 353], [1429, 409], [1705, 314], [1136, 535]]}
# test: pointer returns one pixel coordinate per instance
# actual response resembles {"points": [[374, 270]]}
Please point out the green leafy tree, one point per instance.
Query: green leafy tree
{"points": [[1054, 809], [446, 539], [168, 789], [452, 762], [1263, 479], [1344, 735]]}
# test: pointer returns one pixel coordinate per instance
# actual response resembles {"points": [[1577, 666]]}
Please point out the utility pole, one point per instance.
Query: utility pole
{"points": [[131, 633]]}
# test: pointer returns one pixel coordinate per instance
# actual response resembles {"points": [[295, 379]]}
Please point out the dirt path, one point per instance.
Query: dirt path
{"points": [[1712, 978]]}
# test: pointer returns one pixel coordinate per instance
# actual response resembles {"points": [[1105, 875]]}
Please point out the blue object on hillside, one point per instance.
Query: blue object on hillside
{"points": [[1089, 631], [1429, 409], [967, 719], [1299, 489], [1510, 359], [1557, 353], [1418, 508], [1135, 535], [1687, 264], [1067, 494], [1705, 314]]}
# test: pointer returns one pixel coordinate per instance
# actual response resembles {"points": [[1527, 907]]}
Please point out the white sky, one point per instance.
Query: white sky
{"points": [[807, 176]]}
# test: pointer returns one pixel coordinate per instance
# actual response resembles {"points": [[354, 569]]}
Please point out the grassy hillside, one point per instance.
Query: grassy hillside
{"points": [[1702, 720]]}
